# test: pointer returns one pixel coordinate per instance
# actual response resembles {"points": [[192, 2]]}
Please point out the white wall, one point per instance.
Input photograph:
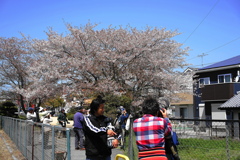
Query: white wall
{"points": [[217, 113], [189, 111], [202, 114], [236, 125]]}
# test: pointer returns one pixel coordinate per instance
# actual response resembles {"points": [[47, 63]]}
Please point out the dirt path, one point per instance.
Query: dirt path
{"points": [[55, 122], [8, 150]]}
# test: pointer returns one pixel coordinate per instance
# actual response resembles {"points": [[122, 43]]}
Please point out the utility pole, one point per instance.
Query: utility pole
{"points": [[202, 55]]}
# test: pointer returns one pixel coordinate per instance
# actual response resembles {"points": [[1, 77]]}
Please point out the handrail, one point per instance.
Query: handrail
{"points": [[121, 156]]}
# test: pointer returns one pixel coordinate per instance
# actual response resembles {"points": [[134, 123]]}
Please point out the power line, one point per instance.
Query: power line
{"points": [[191, 58], [224, 44], [201, 21], [193, 66], [216, 48]]}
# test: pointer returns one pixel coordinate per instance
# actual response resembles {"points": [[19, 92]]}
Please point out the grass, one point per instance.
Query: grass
{"points": [[199, 149], [214, 149], [135, 150]]}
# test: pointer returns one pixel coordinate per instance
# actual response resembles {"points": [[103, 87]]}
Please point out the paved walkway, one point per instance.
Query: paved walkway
{"points": [[80, 154]]}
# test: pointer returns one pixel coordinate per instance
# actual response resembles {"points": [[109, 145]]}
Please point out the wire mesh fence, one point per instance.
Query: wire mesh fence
{"points": [[202, 139], [38, 141], [208, 139]]}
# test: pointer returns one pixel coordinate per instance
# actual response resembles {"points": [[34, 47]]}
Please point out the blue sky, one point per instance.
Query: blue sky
{"points": [[211, 27]]}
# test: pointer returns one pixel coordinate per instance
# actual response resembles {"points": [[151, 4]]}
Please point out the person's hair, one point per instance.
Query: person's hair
{"points": [[96, 104], [150, 106]]}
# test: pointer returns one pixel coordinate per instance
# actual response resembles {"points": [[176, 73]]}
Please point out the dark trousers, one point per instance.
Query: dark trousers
{"points": [[62, 133], [46, 138], [106, 158], [79, 137]]}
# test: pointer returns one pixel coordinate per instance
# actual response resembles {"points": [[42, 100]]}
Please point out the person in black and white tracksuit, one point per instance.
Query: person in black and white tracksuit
{"points": [[96, 132]]}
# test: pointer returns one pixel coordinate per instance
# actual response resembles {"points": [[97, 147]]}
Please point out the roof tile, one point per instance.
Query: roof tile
{"points": [[227, 62]]}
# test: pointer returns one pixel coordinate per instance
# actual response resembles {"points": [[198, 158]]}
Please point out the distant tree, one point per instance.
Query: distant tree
{"points": [[112, 102], [54, 102], [115, 101], [8, 108], [70, 97]]}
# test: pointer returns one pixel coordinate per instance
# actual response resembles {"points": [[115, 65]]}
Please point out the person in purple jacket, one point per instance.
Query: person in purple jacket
{"points": [[77, 128]]}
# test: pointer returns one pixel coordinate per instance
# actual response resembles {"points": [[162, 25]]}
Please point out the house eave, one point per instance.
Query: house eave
{"points": [[229, 108], [220, 100], [219, 68]]}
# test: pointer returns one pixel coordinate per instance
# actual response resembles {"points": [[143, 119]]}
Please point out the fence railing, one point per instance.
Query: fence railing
{"points": [[208, 139], [203, 139], [38, 141]]}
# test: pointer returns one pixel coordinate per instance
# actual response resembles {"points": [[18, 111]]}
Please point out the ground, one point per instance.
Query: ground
{"points": [[8, 150]]}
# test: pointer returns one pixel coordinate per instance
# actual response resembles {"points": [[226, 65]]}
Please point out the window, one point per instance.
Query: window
{"points": [[224, 78], [204, 81], [183, 113]]}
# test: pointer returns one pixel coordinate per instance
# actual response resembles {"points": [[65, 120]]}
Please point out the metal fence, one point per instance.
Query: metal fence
{"points": [[202, 139], [208, 139], [38, 141]]}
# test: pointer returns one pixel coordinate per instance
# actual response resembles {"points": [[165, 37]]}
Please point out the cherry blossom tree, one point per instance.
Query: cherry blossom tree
{"points": [[115, 60], [111, 60], [14, 59]]}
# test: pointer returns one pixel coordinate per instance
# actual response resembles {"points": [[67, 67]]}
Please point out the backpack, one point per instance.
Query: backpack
{"points": [[175, 138], [117, 124], [171, 147]]}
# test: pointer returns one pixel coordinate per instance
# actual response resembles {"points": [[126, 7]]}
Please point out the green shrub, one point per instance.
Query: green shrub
{"points": [[8, 108], [22, 117], [70, 116]]}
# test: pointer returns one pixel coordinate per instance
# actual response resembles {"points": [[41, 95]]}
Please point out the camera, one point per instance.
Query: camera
{"points": [[109, 142], [111, 127], [160, 113], [164, 103]]}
